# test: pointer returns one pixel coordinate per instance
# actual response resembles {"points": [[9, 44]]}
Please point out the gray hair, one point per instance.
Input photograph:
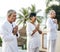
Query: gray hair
{"points": [[10, 12], [51, 11]]}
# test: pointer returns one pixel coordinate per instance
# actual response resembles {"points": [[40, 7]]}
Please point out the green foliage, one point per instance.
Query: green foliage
{"points": [[23, 15], [39, 19], [32, 8]]}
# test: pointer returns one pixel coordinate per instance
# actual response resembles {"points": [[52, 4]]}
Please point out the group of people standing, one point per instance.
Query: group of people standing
{"points": [[9, 33]]}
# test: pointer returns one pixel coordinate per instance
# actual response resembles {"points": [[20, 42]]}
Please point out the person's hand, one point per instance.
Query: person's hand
{"points": [[55, 21], [15, 29]]}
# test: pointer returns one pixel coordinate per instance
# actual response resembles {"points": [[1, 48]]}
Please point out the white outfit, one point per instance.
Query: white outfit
{"points": [[33, 42], [33, 50], [9, 41], [51, 34]]}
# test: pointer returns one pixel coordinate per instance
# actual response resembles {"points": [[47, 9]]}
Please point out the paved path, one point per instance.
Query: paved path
{"points": [[19, 50]]}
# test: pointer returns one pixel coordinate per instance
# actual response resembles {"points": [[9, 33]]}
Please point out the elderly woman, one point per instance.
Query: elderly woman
{"points": [[52, 27]]}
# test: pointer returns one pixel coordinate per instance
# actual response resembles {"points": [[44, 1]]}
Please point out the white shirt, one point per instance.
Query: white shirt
{"points": [[51, 29], [9, 41], [34, 40]]}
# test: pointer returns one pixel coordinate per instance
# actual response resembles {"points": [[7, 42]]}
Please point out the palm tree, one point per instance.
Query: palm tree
{"points": [[23, 16]]}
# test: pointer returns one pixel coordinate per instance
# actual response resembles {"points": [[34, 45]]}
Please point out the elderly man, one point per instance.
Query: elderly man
{"points": [[8, 33], [52, 27]]}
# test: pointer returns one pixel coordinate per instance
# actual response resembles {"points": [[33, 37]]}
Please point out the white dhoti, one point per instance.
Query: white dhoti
{"points": [[51, 44], [33, 50], [51, 34]]}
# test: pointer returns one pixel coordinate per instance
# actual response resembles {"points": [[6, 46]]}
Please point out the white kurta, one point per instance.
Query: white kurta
{"points": [[51, 29], [34, 40], [9, 41], [51, 35]]}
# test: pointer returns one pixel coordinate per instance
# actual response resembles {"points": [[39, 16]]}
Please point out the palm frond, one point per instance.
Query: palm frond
{"points": [[24, 11], [32, 8], [20, 16], [19, 21], [38, 11], [39, 19]]}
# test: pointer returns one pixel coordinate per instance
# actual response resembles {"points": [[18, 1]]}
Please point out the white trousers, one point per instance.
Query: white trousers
{"points": [[33, 50], [51, 44]]}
